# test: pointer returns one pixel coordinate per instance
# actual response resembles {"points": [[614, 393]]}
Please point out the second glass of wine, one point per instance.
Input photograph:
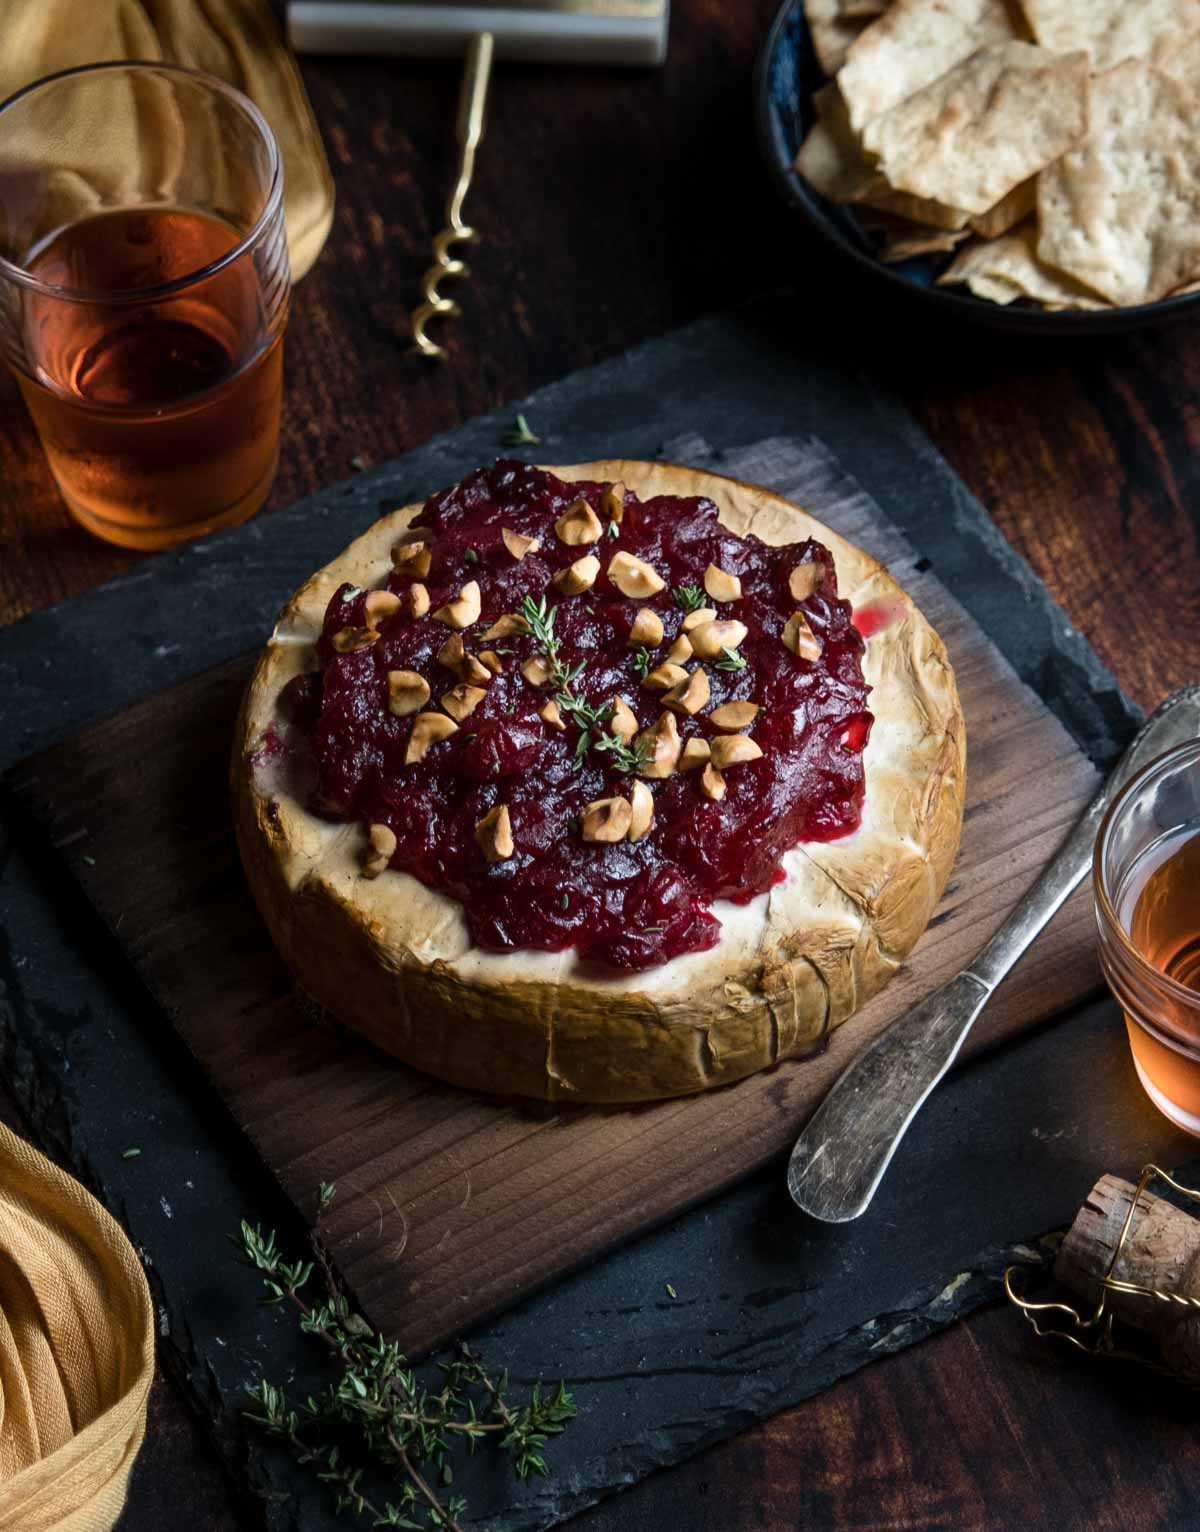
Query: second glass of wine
{"points": [[144, 289]]}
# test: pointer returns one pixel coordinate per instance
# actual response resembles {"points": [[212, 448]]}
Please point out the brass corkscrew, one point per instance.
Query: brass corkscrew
{"points": [[469, 131]]}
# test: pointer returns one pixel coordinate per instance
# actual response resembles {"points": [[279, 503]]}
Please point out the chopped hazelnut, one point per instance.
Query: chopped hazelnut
{"points": [[641, 818], [494, 834], [633, 577], [647, 630], [698, 618], [607, 820], [800, 638], [452, 653], [623, 721], [733, 750], [720, 585], [664, 677], [577, 577], [690, 695], [712, 783], [518, 544], [427, 729], [578, 525], [536, 670], [474, 671], [731, 716], [379, 605], [695, 753], [462, 700], [806, 579], [612, 502], [506, 626], [463, 611], [664, 743], [350, 640], [680, 650], [413, 558], [492, 660], [383, 849], [418, 599], [551, 715], [408, 692], [710, 638]]}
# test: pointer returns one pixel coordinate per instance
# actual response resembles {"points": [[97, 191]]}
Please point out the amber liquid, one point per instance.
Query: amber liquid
{"points": [[160, 418], [1163, 921]]}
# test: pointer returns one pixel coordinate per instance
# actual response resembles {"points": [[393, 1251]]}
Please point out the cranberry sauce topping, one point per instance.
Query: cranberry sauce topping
{"points": [[626, 903]]}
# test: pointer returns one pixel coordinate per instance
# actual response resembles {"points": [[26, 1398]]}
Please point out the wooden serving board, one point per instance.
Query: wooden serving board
{"points": [[451, 1206]]}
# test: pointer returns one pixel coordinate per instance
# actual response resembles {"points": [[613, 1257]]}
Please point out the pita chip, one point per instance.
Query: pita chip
{"points": [[1011, 210], [832, 32], [1121, 213], [1111, 31], [988, 124], [1008, 267], [915, 43]]}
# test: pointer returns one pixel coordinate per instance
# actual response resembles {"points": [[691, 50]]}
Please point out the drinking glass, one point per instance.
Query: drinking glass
{"points": [[1147, 889], [144, 289]]}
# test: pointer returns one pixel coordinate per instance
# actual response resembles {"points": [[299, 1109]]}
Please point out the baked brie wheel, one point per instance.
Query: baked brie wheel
{"points": [[601, 783]]}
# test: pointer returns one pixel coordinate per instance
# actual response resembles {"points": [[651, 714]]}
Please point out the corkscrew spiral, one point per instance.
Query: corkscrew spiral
{"points": [[446, 265]]}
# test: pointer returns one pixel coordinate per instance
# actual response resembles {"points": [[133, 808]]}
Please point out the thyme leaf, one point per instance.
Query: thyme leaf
{"points": [[519, 434], [732, 660], [689, 598], [641, 662]]}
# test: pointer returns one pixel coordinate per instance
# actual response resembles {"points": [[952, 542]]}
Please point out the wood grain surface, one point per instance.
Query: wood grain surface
{"points": [[452, 1205], [614, 206]]}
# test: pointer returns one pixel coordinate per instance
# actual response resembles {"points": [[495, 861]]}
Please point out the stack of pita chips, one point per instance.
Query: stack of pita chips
{"points": [[1053, 145]]}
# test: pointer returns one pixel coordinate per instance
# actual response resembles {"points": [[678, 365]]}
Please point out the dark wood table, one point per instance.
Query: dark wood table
{"points": [[614, 207]]}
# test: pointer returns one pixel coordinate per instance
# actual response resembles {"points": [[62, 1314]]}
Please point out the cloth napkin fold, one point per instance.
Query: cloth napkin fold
{"points": [[239, 41], [76, 1350]]}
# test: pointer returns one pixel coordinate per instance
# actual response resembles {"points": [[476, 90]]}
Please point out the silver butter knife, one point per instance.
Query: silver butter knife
{"points": [[848, 1143]]}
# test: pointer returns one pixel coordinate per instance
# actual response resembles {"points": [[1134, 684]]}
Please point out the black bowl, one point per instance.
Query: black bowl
{"points": [[785, 81]]}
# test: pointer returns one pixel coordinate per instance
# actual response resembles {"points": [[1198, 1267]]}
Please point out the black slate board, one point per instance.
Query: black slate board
{"points": [[765, 1313]]}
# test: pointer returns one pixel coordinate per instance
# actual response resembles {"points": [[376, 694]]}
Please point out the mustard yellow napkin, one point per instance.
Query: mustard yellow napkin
{"points": [[76, 1350], [237, 40]]}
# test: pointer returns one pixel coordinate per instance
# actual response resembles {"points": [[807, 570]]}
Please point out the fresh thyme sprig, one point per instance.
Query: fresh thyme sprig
{"points": [[622, 755], [376, 1419], [689, 598], [519, 434], [642, 661], [732, 660]]}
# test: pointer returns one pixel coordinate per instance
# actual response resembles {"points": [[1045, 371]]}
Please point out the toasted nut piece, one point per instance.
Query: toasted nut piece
{"points": [[720, 585], [474, 671], [452, 654], [408, 692], [710, 638], [634, 577], [418, 599], [699, 617], [492, 660], [462, 700], [380, 604], [641, 818], [577, 577], [806, 579], [695, 753], [734, 715], [413, 558], [800, 638], [383, 849], [461, 613], [494, 834], [665, 746], [350, 640], [624, 720], [689, 696], [506, 626], [733, 750], [427, 729], [536, 670], [607, 819], [664, 677], [647, 630], [518, 544], [550, 714], [578, 525], [680, 650], [612, 502], [712, 783]]}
